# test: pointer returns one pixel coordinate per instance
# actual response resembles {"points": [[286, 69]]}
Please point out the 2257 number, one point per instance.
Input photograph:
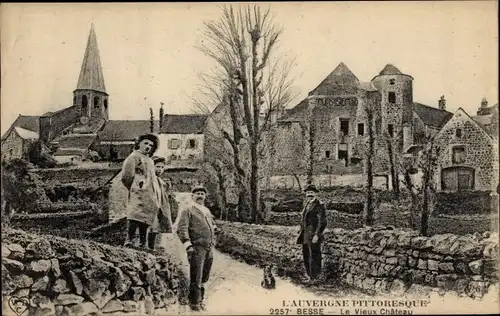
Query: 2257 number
{"points": [[279, 311]]}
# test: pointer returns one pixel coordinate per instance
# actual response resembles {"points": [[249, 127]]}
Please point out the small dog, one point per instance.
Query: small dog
{"points": [[268, 282]]}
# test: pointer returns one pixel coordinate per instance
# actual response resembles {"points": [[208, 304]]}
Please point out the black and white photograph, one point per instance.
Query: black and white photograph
{"points": [[250, 158]]}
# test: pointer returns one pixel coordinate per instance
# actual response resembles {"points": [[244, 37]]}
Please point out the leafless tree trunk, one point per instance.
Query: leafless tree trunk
{"points": [[151, 120], [427, 164], [392, 167], [369, 203], [242, 43], [408, 182]]}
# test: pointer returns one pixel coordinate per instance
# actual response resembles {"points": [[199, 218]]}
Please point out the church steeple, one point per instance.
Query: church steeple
{"points": [[90, 94]]}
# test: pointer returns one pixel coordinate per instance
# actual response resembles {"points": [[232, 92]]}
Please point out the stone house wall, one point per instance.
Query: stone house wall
{"points": [[13, 146], [479, 151], [52, 125]]}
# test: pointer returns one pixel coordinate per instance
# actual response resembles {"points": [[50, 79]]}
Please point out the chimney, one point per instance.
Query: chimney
{"points": [[484, 103], [161, 116], [442, 103]]}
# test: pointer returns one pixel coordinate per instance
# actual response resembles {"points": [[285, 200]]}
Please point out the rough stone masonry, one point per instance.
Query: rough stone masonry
{"points": [[78, 277], [377, 260]]}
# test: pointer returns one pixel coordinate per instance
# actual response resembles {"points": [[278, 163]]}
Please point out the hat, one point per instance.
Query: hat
{"points": [[310, 187], [157, 159], [198, 188]]}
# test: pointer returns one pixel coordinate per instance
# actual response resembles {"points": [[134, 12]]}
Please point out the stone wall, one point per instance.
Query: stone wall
{"points": [[73, 277], [53, 124], [377, 260], [479, 151]]}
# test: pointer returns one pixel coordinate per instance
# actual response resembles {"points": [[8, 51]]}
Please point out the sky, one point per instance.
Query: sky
{"points": [[149, 51]]}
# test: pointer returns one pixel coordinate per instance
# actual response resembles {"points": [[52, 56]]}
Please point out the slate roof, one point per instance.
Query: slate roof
{"points": [[69, 152], [431, 116], [91, 76], [296, 113], [484, 119], [367, 86], [124, 130], [390, 69], [28, 122], [183, 124], [26, 134], [340, 81], [488, 110], [75, 141]]}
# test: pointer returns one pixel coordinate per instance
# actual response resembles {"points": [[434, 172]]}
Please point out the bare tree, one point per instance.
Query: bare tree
{"points": [[242, 42], [427, 193], [151, 120], [162, 113], [370, 152], [393, 165], [408, 168]]}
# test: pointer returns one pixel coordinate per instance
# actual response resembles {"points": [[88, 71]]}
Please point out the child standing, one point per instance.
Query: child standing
{"points": [[144, 193]]}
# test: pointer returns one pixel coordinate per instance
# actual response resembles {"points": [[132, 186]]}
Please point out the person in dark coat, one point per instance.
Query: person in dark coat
{"points": [[144, 193], [196, 231], [163, 221], [312, 226]]}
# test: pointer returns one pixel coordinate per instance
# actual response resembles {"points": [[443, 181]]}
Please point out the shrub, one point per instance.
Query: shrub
{"points": [[355, 208], [466, 202], [20, 187]]}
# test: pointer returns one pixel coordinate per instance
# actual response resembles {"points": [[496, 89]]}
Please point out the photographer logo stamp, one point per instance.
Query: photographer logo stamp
{"points": [[19, 305]]}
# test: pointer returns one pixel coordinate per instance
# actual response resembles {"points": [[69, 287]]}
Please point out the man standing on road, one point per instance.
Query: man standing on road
{"points": [[196, 230], [310, 236]]}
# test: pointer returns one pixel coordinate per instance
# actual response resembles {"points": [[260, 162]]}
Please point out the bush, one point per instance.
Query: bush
{"points": [[462, 203], [20, 187], [355, 208]]}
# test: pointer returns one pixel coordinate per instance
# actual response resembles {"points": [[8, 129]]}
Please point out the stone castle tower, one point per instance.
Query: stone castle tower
{"points": [[90, 95], [396, 90]]}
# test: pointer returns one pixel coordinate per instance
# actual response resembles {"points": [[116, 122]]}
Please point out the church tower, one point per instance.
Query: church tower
{"points": [[90, 95]]}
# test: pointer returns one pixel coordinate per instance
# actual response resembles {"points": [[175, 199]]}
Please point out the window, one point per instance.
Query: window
{"points": [[192, 143], [173, 143], [344, 127], [458, 154], [458, 133], [361, 129], [392, 82], [74, 100], [390, 130], [84, 105], [327, 154], [106, 104], [96, 102], [392, 97]]}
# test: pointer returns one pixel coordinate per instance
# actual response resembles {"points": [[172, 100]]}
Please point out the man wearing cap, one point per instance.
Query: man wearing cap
{"points": [[311, 231], [196, 230]]}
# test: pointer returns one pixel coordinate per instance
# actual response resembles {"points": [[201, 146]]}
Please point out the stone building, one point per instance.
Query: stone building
{"points": [[333, 121], [487, 117], [467, 157], [182, 138], [17, 139], [116, 140], [75, 133]]}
